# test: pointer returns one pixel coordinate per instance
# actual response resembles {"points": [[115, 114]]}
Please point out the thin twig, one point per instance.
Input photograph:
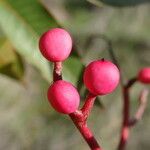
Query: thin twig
{"points": [[80, 120], [131, 82], [88, 105], [125, 128], [81, 125], [127, 123], [142, 105], [57, 71], [126, 114]]}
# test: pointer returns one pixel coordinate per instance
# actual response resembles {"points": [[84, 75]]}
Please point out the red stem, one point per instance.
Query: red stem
{"points": [[57, 72], [88, 105], [85, 131], [79, 117], [140, 111], [126, 114], [125, 126]]}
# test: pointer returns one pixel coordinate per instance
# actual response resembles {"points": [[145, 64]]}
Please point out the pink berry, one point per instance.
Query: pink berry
{"points": [[101, 77], [55, 44], [144, 75], [63, 96]]}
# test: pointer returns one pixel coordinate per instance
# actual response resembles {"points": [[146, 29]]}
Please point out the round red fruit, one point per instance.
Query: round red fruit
{"points": [[101, 77], [144, 75], [64, 97], [55, 44]]}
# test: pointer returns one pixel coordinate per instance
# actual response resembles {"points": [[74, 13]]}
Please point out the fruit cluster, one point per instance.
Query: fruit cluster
{"points": [[100, 77]]}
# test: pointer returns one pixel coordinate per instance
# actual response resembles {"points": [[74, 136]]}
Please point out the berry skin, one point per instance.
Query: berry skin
{"points": [[144, 75], [55, 44], [101, 77], [63, 96]]}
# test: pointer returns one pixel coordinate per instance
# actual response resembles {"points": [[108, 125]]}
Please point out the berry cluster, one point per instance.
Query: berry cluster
{"points": [[100, 77]]}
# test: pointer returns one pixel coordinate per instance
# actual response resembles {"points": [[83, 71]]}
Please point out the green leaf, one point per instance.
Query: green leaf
{"points": [[124, 2], [23, 21], [10, 62], [6, 53], [72, 69]]}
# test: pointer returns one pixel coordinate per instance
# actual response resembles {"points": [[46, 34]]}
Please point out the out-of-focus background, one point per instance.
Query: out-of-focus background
{"points": [[27, 121]]}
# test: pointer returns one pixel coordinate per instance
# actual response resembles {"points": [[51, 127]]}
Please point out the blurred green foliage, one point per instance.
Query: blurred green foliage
{"points": [[124, 2], [26, 120], [12, 65]]}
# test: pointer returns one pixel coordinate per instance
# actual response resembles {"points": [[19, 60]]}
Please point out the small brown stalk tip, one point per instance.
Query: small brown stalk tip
{"points": [[103, 59]]}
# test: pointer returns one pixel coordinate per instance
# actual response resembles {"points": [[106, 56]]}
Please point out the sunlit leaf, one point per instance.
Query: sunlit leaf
{"points": [[10, 62], [22, 22]]}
